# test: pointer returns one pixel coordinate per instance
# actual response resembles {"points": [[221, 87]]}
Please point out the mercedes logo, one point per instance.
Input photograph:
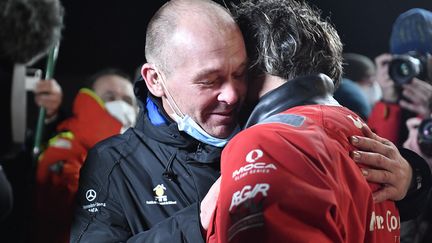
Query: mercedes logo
{"points": [[91, 195]]}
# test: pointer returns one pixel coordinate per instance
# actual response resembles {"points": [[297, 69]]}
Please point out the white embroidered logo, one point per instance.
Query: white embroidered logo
{"points": [[90, 195], [248, 192], [357, 122], [160, 191], [160, 197], [254, 166], [254, 155]]}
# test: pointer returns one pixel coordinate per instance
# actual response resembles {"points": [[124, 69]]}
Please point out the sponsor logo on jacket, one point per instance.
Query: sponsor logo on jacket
{"points": [[356, 121], [387, 222], [248, 192], [160, 197], [94, 206], [246, 209], [254, 166]]}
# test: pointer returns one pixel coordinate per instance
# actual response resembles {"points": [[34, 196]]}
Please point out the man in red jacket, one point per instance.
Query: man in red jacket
{"points": [[288, 177]]}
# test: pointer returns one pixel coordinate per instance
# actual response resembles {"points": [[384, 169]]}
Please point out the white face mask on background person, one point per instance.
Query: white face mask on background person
{"points": [[373, 92], [123, 112], [186, 124]]}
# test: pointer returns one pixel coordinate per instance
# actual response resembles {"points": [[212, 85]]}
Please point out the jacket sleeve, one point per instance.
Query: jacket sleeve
{"points": [[385, 120], [184, 226], [416, 199], [99, 216], [58, 172]]}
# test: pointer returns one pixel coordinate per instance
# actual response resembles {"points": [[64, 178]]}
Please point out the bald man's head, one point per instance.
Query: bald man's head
{"points": [[187, 15]]}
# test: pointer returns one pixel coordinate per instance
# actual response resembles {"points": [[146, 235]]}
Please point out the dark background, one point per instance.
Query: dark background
{"points": [[110, 33]]}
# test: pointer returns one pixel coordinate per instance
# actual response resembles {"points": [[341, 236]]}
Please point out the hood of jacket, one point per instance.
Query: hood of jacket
{"points": [[90, 122]]}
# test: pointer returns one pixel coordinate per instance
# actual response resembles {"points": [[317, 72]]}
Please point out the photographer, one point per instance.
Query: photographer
{"points": [[420, 138], [419, 230], [405, 76]]}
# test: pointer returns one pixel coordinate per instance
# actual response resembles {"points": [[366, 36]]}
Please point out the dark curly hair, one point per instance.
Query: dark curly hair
{"points": [[288, 38], [28, 28]]}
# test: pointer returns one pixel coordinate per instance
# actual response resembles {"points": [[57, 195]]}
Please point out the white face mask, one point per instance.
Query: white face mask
{"points": [[123, 112], [186, 124], [189, 126], [373, 93]]}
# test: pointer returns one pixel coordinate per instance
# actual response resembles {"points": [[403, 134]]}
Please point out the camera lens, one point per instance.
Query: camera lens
{"points": [[425, 137], [403, 68]]}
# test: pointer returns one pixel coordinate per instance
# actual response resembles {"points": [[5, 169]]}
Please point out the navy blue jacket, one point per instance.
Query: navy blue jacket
{"points": [[145, 185]]}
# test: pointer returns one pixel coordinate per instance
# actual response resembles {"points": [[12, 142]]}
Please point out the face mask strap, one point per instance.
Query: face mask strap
{"points": [[171, 103]]}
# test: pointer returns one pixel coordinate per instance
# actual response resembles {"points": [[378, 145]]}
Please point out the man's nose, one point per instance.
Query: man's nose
{"points": [[232, 92]]}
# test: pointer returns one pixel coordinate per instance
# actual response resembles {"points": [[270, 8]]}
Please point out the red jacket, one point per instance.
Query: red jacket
{"points": [[385, 120], [291, 179], [59, 165]]}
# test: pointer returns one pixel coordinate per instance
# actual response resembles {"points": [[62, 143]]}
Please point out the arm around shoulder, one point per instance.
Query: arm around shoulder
{"points": [[415, 201]]}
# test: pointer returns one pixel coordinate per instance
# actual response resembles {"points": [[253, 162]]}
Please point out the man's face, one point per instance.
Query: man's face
{"points": [[207, 78], [113, 87]]}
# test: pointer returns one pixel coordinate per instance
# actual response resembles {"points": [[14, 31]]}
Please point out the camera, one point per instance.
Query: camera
{"points": [[424, 137], [403, 68]]}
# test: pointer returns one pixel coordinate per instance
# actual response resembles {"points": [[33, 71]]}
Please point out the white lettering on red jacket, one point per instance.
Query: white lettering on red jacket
{"points": [[254, 166], [248, 192]]}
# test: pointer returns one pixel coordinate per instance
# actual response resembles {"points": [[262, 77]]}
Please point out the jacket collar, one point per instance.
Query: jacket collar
{"points": [[167, 132], [307, 90]]}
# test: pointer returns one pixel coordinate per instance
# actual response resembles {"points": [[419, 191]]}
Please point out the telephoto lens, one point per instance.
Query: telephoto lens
{"points": [[403, 68], [424, 138]]}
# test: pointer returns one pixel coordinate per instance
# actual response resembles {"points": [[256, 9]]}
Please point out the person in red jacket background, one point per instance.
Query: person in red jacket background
{"points": [[288, 177], [106, 109]]}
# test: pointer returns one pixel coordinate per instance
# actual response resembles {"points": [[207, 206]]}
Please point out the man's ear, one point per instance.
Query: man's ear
{"points": [[152, 79]]}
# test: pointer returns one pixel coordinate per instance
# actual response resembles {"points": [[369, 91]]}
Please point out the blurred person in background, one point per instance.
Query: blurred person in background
{"points": [[108, 107], [419, 230], [351, 95], [419, 131], [28, 29], [358, 90], [404, 95], [405, 76], [361, 69]]}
